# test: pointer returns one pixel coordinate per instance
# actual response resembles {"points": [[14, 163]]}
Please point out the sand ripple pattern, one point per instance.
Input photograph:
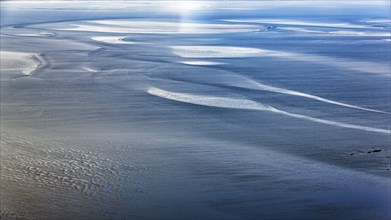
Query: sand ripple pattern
{"points": [[65, 168]]}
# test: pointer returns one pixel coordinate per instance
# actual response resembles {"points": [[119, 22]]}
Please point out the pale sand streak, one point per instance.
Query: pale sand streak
{"points": [[360, 33], [238, 52], [239, 81], [252, 84], [158, 27], [298, 23], [23, 62], [111, 40], [200, 63], [219, 52], [223, 102], [338, 33]]}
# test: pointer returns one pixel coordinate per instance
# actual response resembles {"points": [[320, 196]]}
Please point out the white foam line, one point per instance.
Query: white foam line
{"points": [[223, 102], [306, 95], [239, 81], [196, 51], [90, 70], [338, 124]]}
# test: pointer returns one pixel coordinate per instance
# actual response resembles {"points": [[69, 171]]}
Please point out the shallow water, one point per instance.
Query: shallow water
{"points": [[240, 110]]}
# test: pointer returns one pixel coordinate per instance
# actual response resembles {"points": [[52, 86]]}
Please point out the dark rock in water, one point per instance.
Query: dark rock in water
{"points": [[270, 28], [374, 151]]}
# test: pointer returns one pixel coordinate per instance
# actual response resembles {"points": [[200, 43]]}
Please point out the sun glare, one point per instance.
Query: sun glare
{"points": [[185, 6], [189, 5]]}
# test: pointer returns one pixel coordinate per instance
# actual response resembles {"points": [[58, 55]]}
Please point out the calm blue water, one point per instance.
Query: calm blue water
{"points": [[208, 110]]}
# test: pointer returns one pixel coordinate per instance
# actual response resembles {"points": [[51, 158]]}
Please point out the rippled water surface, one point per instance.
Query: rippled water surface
{"points": [[195, 110]]}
